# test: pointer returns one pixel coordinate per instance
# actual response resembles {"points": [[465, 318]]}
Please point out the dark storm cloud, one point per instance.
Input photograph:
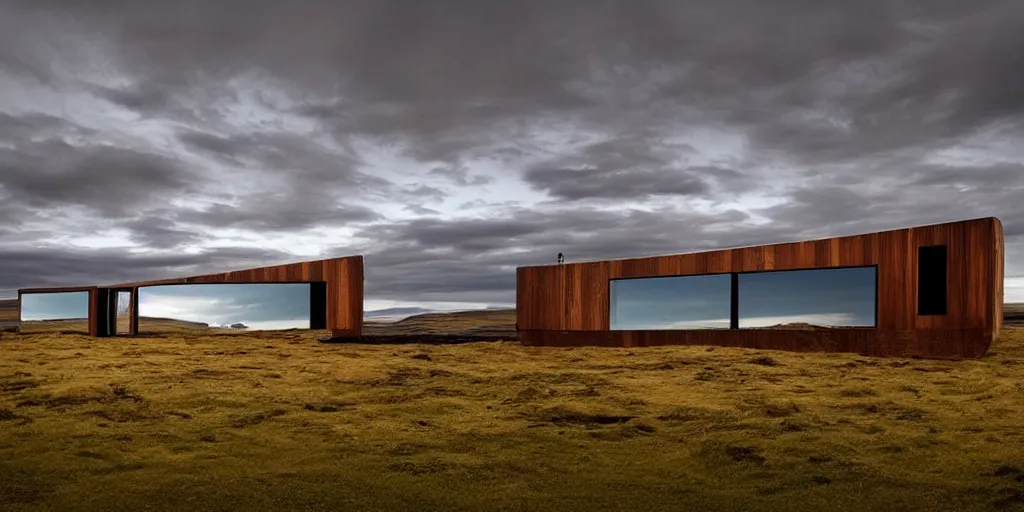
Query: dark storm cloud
{"points": [[298, 158], [993, 177], [629, 168], [20, 129], [109, 180], [879, 75], [925, 194], [847, 96], [475, 259], [298, 163], [461, 176], [71, 267], [420, 210], [147, 98], [309, 184], [278, 213], [157, 230], [596, 183]]}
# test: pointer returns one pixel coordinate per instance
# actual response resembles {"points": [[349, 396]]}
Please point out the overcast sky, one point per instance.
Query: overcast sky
{"points": [[451, 141]]}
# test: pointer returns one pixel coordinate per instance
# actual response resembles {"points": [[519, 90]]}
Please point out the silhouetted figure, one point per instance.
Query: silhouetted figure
{"points": [[561, 259]]}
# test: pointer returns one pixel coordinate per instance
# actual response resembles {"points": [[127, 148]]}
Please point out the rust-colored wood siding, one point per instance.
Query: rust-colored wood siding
{"points": [[343, 276], [569, 304]]}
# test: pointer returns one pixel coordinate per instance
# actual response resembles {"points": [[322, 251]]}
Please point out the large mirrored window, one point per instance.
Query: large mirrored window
{"points": [[224, 307], [840, 297], [671, 303], [64, 311]]}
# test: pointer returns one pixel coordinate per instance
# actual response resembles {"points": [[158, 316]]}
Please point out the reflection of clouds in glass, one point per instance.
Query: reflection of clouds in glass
{"points": [[274, 325], [820, 297], [54, 306], [714, 323], [825, 297], [654, 303], [819, 319], [1013, 289], [258, 306]]}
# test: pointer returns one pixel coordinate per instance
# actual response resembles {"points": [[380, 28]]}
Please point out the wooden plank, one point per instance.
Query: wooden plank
{"points": [[343, 276], [974, 285]]}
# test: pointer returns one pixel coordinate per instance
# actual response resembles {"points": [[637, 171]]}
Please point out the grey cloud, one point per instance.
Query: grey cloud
{"points": [[460, 176], [420, 210], [426, 192], [21, 129], [574, 184], [451, 78], [850, 99], [109, 180], [455, 68], [281, 151], [628, 168], [146, 98], [53, 266], [998, 176], [835, 205], [278, 213], [475, 259], [157, 230], [925, 194]]}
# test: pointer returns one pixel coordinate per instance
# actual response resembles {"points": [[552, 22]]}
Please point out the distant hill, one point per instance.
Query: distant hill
{"points": [[396, 312], [1013, 314], [481, 322], [8, 310], [492, 320], [8, 314]]}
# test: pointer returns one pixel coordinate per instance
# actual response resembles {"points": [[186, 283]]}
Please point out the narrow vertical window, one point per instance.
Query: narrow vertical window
{"points": [[931, 280]]}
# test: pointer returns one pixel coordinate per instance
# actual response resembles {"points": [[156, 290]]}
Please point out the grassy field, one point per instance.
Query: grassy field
{"points": [[275, 420]]}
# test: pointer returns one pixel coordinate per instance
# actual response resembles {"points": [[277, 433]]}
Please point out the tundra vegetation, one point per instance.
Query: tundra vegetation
{"points": [[196, 420]]}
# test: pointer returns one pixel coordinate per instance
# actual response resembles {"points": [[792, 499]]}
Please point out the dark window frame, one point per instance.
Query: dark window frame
{"points": [[734, 292]]}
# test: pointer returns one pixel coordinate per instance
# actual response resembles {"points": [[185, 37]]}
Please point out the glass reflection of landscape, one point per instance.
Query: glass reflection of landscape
{"points": [[842, 297], [124, 300], [667, 303], [55, 311], [239, 306]]}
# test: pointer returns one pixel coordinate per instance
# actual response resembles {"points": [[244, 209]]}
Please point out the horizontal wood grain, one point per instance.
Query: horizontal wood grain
{"points": [[343, 279], [568, 304]]}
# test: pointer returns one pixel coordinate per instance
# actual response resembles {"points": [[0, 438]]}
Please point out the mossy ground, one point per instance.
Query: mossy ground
{"points": [[273, 421]]}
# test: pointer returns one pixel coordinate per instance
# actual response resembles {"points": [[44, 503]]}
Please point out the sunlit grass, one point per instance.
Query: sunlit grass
{"points": [[278, 421]]}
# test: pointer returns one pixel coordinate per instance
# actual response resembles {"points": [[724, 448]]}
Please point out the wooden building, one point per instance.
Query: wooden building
{"points": [[335, 294], [937, 293]]}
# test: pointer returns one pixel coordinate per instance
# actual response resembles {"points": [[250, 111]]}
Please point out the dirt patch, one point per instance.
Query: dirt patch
{"points": [[780, 410], [857, 392], [564, 415], [14, 386], [327, 406], [744, 454], [420, 468], [77, 398], [249, 420], [690, 413]]}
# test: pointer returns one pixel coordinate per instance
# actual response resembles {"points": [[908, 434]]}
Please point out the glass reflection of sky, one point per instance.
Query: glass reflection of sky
{"points": [[822, 297], [666, 303], [258, 306], [54, 306]]}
